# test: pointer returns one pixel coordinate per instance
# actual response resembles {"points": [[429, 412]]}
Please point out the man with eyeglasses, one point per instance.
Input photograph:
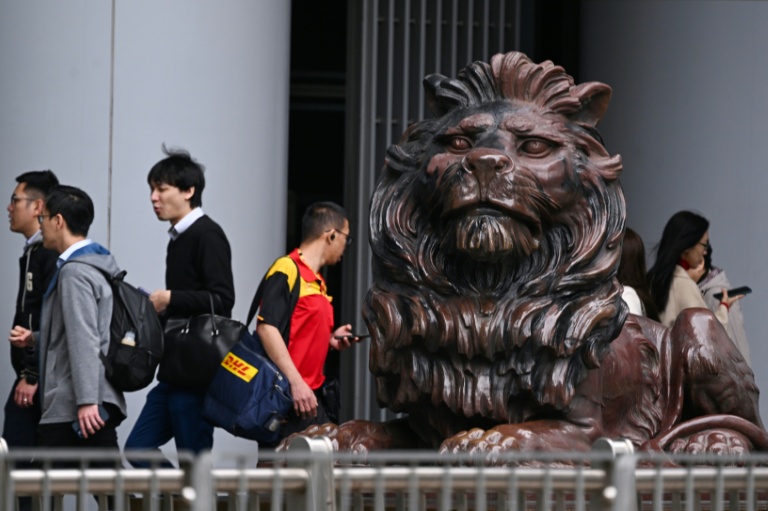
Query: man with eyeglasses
{"points": [[80, 407], [36, 267], [296, 325]]}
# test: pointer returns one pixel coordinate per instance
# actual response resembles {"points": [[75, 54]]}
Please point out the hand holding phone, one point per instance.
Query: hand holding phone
{"points": [[76, 423], [351, 337], [736, 291]]}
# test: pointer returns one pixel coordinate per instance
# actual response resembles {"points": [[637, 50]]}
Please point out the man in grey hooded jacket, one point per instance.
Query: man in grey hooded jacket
{"points": [[80, 408]]}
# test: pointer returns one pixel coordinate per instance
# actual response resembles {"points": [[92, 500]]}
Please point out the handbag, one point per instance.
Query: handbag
{"points": [[249, 396], [195, 346]]}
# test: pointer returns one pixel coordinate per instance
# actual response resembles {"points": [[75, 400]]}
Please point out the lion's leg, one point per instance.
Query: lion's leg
{"points": [[718, 406], [717, 378], [361, 436]]}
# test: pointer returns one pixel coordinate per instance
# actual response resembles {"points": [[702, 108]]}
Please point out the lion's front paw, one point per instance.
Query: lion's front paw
{"points": [[478, 440], [713, 441]]}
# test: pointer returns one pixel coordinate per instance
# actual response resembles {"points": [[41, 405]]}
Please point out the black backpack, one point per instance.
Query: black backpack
{"points": [[130, 364]]}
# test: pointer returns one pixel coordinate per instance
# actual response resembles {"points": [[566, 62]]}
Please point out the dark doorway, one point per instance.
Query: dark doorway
{"points": [[317, 122]]}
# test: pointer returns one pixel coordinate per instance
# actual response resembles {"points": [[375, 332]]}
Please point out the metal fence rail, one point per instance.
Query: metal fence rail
{"points": [[312, 477]]}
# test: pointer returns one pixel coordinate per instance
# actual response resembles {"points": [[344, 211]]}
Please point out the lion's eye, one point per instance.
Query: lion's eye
{"points": [[459, 143], [535, 147]]}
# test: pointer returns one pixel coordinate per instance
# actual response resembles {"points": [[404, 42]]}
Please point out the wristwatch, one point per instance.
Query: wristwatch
{"points": [[31, 379]]}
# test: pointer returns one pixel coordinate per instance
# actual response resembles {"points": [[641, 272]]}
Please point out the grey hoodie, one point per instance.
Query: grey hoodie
{"points": [[74, 328], [714, 283]]}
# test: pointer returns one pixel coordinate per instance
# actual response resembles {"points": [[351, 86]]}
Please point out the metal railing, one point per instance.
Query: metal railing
{"points": [[311, 476]]}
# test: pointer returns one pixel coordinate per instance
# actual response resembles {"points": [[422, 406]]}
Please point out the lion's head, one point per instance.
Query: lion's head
{"points": [[496, 231]]}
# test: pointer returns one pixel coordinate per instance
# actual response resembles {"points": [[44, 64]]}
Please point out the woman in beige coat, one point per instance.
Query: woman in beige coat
{"points": [[679, 264]]}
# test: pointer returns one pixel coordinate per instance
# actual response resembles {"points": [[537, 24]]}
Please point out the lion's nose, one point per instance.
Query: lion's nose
{"points": [[485, 164]]}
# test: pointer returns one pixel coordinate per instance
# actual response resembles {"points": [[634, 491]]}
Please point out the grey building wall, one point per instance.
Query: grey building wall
{"points": [[92, 89], [689, 116]]}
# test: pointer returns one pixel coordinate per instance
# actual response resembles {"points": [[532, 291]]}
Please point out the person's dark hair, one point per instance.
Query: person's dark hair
{"points": [[181, 171], [38, 182], [321, 216], [74, 205], [682, 232], [707, 263], [632, 271]]}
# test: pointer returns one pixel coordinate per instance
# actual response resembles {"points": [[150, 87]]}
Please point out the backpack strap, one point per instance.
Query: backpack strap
{"points": [[256, 303]]}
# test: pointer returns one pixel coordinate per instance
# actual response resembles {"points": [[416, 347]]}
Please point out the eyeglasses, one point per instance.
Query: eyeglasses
{"points": [[706, 245], [346, 235], [40, 218], [15, 199]]}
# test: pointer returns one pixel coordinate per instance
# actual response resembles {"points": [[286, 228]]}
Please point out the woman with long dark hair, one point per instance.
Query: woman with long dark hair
{"points": [[632, 276], [679, 264]]}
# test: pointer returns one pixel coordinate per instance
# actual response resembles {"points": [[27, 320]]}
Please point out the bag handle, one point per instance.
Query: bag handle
{"points": [[214, 327]]}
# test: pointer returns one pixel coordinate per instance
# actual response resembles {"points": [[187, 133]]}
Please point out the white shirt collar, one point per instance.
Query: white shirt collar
{"points": [[34, 238], [74, 246], [185, 223]]}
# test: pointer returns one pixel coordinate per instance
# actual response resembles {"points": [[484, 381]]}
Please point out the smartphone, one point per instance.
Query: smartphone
{"points": [[352, 336], [76, 423], [736, 291]]}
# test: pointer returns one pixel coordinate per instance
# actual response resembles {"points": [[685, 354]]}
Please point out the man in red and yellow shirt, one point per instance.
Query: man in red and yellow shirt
{"points": [[297, 338]]}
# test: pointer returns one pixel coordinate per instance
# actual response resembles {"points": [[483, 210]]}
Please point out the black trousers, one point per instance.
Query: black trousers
{"points": [[20, 426], [61, 435], [20, 431]]}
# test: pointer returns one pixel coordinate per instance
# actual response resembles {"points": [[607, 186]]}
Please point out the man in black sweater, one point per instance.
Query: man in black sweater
{"points": [[36, 268], [198, 268]]}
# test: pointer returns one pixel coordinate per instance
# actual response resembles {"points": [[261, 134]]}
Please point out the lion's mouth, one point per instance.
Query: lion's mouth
{"points": [[517, 213]]}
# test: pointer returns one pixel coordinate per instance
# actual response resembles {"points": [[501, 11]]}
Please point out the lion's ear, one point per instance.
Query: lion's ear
{"points": [[436, 104], [594, 98], [444, 94]]}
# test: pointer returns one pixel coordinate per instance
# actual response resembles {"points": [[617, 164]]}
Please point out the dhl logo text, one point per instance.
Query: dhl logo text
{"points": [[239, 367]]}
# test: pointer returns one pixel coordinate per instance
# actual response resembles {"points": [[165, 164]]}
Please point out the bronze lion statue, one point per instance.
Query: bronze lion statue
{"points": [[497, 319]]}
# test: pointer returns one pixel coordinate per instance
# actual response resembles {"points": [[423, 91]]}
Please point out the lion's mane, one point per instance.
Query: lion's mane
{"points": [[460, 341]]}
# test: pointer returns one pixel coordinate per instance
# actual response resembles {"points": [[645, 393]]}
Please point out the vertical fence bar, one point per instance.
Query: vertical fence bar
{"points": [[378, 497], [445, 490], [6, 492], [201, 484], [438, 34], [751, 491], [386, 123], [454, 37], [658, 489], [689, 501], [502, 27], [512, 498], [413, 489], [345, 497], [82, 492], [277, 492], [469, 23], [406, 79], [481, 497], [242, 485], [486, 29], [580, 494], [719, 489], [422, 23]]}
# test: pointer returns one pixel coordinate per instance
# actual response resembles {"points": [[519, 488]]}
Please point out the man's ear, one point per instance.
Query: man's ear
{"points": [[58, 220], [37, 206], [187, 194]]}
